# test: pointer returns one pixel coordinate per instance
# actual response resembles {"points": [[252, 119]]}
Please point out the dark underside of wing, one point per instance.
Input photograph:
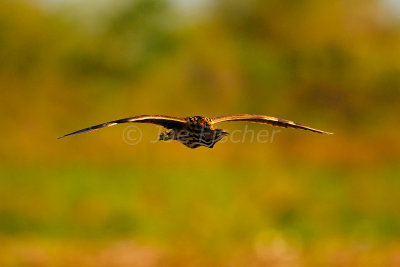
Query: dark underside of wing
{"points": [[165, 121], [266, 120]]}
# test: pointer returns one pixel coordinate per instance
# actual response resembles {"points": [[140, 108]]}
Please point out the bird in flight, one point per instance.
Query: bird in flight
{"points": [[197, 130]]}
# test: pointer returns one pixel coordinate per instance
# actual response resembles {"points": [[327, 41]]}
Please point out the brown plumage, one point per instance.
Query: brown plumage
{"points": [[198, 131]]}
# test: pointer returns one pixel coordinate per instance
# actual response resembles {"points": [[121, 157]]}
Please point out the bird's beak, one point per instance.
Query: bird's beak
{"points": [[225, 133]]}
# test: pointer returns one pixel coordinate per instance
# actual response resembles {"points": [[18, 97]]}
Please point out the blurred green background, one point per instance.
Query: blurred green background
{"points": [[303, 200]]}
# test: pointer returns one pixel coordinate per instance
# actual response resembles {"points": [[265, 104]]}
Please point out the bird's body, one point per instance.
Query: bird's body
{"points": [[197, 130]]}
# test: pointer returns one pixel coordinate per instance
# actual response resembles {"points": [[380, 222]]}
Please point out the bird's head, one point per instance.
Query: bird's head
{"points": [[219, 134]]}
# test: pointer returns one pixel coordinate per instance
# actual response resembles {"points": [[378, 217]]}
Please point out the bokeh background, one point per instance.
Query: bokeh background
{"points": [[303, 200]]}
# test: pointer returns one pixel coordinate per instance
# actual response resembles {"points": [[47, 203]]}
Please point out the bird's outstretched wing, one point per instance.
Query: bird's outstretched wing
{"points": [[166, 121], [265, 120]]}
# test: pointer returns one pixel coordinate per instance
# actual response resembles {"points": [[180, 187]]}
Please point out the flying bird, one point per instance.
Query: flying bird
{"points": [[197, 130]]}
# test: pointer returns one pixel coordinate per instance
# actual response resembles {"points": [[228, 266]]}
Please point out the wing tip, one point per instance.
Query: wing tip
{"points": [[63, 136], [298, 125], [70, 134], [323, 132]]}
